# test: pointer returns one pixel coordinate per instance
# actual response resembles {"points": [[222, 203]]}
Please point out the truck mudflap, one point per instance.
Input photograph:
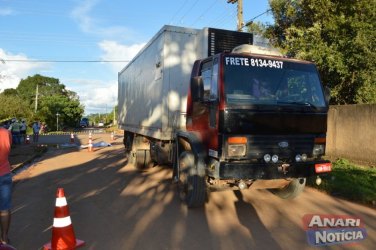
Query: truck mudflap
{"points": [[235, 170]]}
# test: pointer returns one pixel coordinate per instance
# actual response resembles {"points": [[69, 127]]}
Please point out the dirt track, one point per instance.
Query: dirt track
{"points": [[113, 206]]}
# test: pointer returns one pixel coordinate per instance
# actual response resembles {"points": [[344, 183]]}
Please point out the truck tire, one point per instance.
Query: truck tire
{"points": [[128, 142], [191, 186], [142, 160], [292, 190]]}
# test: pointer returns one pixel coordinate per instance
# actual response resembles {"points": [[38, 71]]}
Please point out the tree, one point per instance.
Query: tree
{"points": [[13, 106], [339, 36], [53, 98], [69, 111], [47, 86]]}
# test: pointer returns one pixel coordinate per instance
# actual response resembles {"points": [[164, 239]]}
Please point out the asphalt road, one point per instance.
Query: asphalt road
{"points": [[114, 206]]}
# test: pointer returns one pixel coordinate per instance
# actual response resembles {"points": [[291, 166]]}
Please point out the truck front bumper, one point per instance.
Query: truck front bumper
{"points": [[236, 170]]}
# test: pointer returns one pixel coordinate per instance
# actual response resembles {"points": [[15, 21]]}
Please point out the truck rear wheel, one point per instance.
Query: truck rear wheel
{"points": [[292, 190], [142, 159], [191, 186], [128, 142]]}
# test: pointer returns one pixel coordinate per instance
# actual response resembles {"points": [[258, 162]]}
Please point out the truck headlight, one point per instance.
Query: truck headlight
{"points": [[275, 158], [318, 149], [236, 150], [237, 146], [319, 146], [267, 158], [298, 158]]}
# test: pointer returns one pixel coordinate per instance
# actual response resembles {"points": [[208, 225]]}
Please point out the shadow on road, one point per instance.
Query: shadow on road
{"points": [[114, 206]]}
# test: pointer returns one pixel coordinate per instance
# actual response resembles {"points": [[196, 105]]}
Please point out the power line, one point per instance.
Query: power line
{"points": [[225, 14], [205, 12], [186, 13], [254, 18], [64, 61], [181, 7]]}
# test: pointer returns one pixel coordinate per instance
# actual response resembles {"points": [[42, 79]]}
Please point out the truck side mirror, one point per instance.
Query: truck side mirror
{"points": [[327, 94], [197, 88]]}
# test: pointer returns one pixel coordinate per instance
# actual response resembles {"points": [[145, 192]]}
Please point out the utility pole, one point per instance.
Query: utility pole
{"points": [[36, 100], [114, 122], [240, 22]]}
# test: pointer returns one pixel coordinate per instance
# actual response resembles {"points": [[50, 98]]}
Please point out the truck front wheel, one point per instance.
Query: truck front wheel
{"points": [[292, 190], [191, 186]]}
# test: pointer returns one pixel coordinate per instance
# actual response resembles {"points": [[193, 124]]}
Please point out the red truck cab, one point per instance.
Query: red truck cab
{"points": [[254, 119]]}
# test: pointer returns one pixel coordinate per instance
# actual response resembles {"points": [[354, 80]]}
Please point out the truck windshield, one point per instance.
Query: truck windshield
{"points": [[252, 80]]}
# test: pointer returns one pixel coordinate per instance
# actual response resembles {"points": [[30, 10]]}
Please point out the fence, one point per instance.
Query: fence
{"points": [[352, 132]]}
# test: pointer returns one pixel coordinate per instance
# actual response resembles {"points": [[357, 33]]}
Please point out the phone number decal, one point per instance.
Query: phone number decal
{"points": [[254, 62], [266, 63]]}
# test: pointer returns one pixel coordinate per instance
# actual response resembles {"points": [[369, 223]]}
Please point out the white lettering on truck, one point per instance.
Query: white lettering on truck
{"points": [[254, 62]]}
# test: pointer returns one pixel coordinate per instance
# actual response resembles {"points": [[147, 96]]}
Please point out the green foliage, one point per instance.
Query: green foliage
{"points": [[351, 181], [339, 36], [107, 118], [13, 106], [53, 98], [69, 111]]}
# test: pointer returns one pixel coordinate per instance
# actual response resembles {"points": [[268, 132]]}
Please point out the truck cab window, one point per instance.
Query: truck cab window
{"points": [[214, 81], [206, 74], [277, 83]]}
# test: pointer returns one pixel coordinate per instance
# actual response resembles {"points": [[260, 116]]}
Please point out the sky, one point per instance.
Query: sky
{"points": [[85, 43]]}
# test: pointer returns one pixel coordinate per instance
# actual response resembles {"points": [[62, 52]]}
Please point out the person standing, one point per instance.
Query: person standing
{"points": [[5, 184], [23, 130], [36, 129], [16, 130]]}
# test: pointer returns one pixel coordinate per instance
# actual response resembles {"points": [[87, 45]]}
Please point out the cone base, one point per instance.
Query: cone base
{"points": [[79, 243]]}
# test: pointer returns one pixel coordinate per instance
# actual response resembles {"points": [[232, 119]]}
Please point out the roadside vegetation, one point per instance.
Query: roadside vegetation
{"points": [[350, 181], [41, 98]]}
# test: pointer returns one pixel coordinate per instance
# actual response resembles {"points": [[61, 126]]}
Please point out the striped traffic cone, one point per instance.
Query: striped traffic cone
{"points": [[63, 237], [90, 147], [71, 138], [27, 139]]}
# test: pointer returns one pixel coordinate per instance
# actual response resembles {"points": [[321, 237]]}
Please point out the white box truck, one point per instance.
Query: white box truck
{"points": [[223, 112]]}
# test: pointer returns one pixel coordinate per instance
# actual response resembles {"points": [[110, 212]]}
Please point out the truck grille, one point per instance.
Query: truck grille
{"points": [[258, 146]]}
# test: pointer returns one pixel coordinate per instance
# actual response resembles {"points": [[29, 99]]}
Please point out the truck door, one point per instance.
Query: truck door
{"points": [[205, 111], [212, 142]]}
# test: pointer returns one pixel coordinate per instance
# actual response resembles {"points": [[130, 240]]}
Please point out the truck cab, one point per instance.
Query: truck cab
{"points": [[254, 119]]}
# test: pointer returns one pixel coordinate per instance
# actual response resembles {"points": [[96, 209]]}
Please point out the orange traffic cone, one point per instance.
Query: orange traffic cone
{"points": [[27, 139], [62, 230], [90, 148], [71, 138], [112, 136]]}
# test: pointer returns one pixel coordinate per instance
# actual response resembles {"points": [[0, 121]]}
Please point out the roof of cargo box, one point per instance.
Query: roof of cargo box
{"points": [[216, 40], [165, 28]]}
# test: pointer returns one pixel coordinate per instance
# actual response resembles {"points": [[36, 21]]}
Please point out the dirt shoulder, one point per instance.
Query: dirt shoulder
{"points": [[24, 154]]}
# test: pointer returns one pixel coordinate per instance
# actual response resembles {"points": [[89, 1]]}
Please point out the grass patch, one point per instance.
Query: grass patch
{"points": [[349, 181]]}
